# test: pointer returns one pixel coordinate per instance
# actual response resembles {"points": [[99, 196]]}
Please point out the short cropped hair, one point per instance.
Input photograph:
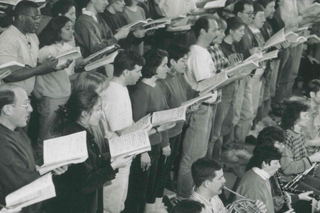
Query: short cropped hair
{"points": [[176, 52], [271, 134], [264, 153], [222, 24], [233, 23], [292, 113], [188, 206], [62, 7], [202, 23], [22, 6], [153, 57], [204, 169], [239, 6], [7, 95], [126, 60]]}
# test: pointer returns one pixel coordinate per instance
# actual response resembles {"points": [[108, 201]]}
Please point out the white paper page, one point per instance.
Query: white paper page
{"points": [[143, 123], [215, 4], [167, 116], [65, 149], [195, 100], [108, 59], [213, 81], [129, 144], [36, 191], [269, 55], [275, 39], [109, 48], [242, 68]]}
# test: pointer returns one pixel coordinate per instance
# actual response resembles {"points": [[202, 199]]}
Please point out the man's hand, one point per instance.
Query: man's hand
{"points": [[305, 196], [255, 50], [315, 157], [166, 151], [60, 170], [63, 66], [139, 33], [15, 210], [145, 161], [50, 62], [261, 206], [122, 33]]}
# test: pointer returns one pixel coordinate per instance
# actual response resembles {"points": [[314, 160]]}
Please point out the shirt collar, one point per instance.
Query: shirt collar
{"points": [[89, 13], [263, 174]]}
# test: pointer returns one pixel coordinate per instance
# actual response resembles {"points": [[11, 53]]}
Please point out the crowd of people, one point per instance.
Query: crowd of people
{"points": [[157, 70]]}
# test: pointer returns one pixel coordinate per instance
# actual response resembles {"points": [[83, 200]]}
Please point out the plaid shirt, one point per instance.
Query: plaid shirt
{"points": [[219, 60], [297, 144]]}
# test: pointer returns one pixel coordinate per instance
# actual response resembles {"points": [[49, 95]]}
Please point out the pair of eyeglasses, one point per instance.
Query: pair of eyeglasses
{"points": [[24, 105], [248, 13], [35, 18]]}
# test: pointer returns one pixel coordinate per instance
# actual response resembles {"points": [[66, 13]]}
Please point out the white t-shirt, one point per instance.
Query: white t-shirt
{"points": [[117, 107], [200, 66]]}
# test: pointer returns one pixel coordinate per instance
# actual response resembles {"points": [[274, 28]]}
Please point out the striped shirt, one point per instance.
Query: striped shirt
{"points": [[214, 205], [296, 143]]}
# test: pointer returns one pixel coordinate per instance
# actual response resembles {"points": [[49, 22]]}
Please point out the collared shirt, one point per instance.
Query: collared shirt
{"points": [[219, 59], [89, 13], [214, 205], [24, 49], [263, 174]]}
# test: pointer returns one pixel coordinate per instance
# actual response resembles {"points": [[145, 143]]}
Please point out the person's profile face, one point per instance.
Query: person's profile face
{"points": [[180, 65], [259, 19], [247, 14], [217, 183], [237, 34], [134, 75], [71, 14], [270, 10], [32, 19]]}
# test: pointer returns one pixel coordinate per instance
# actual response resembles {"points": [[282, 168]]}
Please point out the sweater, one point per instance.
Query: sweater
{"points": [[92, 36], [145, 100], [254, 187], [17, 164]]}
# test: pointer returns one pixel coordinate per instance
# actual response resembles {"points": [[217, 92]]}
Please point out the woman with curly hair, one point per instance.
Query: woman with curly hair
{"points": [[295, 159]]}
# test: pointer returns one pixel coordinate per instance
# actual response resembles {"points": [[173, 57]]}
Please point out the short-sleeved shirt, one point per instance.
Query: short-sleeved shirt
{"points": [[117, 107], [200, 66], [54, 84], [24, 49]]}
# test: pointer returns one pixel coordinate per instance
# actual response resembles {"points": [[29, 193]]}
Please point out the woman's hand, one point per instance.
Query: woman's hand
{"points": [[145, 161], [121, 161], [166, 151]]}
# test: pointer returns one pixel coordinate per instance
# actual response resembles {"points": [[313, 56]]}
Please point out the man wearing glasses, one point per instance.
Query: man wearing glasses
{"points": [[17, 164], [19, 43]]}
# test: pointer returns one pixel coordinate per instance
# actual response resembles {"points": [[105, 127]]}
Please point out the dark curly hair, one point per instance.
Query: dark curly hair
{"points": [[153, 58], [271, 134], [263, 153], [292, 113]]}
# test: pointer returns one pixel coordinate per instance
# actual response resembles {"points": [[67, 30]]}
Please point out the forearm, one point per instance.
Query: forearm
{"points": [[25, 73]]}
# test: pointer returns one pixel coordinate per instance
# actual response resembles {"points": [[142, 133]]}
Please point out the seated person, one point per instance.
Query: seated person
{"points": [[209, 181], [188, 206], [255, 183]]}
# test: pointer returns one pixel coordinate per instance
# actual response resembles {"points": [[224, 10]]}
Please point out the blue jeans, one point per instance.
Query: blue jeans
{"points": [[194, 146]]}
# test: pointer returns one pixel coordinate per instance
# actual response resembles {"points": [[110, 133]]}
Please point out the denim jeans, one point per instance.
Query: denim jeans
{"points": [[223, 108], [194, 146], [242, 116]]}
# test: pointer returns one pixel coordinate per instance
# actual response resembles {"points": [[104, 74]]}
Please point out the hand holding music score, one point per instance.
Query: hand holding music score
{"points": [[61, 170], [122, 33], [14, 210], [121, 161]]}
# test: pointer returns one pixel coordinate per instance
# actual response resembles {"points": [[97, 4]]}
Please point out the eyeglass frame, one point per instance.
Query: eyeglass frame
{"points": [[34, 18], [24, 105], [249, 14]]}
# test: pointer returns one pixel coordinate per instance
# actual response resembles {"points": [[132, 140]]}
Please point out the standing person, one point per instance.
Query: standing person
{"points": [[17, 163], [53, 89], [91, 31], [80, 189], [241, 123], [19, 43], [200, 67], [118, 110], [176, 91], [147, 98]]}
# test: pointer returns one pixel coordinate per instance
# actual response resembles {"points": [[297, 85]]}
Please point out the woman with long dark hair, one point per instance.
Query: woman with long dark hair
{"points": [[80, 189]]}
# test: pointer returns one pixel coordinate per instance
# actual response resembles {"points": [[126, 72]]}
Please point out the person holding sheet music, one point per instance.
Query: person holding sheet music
{"points": [[221, 61], [19, 43], [200, 67], [91, 32], [118, 112], [147, 98], [80, 189], [176, 91], [17, 163], [53, 89]]}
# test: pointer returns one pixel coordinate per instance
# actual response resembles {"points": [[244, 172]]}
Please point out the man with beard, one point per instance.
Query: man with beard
{"points": [[20, 43], [209, 182]]}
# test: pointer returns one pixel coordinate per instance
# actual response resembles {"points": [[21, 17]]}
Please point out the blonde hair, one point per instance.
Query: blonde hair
{"points": [[91, 81]]}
